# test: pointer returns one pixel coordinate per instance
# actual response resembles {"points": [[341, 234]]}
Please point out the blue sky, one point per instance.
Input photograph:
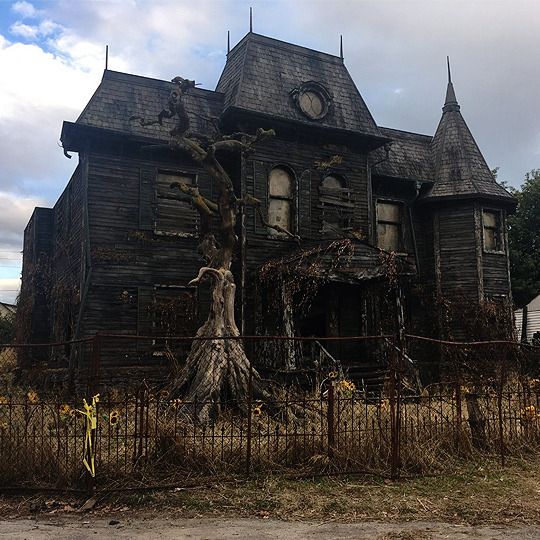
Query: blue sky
{"points": [[52, 59]]}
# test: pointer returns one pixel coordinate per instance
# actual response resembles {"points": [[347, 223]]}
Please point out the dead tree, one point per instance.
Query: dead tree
{"points": [[216, 369]]}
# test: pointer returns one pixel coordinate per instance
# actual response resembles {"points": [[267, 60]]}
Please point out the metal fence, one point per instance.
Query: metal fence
{"points": [[420, 407]]}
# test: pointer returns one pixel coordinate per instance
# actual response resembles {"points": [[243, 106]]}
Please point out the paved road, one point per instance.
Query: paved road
{"points": [[85, 527]]}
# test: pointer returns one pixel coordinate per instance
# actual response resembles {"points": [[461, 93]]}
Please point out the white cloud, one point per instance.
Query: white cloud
{"points": [[33, 32], [24, 9], [15, 211], [9, 289], [24, 30], [41, 91]]}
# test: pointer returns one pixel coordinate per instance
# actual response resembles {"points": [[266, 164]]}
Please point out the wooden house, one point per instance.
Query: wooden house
{"points": [[120, 248]]}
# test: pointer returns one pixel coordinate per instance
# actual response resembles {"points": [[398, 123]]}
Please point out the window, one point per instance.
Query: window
{"points": [[280, 203], [175, 214], [492, 230], [312, 99], [389, 231], [337, 208]]}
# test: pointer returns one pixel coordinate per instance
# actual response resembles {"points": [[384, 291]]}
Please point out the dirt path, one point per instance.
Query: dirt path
{"points": [[84, 528]]}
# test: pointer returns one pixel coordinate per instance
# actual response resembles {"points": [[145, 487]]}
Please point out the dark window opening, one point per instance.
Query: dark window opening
{"points": [[491, 221]]}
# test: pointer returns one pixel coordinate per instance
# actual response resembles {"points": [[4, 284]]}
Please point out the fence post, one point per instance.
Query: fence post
{"points": [[330, 420], [249, 408], [94, 365], [500, 408], [395, 412]]}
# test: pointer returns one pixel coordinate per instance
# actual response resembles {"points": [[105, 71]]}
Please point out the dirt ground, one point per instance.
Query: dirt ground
{"points": [[209, 529], [482, 500]]}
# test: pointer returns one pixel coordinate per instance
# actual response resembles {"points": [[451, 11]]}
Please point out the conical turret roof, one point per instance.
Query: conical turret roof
{"points": [[460, 169]]}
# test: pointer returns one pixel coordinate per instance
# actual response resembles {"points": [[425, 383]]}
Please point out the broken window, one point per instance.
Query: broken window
{"points": [[175, 214], [280, 202], [492, 230], [389, 226], [336, 205]]}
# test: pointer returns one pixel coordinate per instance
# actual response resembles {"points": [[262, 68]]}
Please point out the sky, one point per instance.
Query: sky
{"points": [[52, 56]]}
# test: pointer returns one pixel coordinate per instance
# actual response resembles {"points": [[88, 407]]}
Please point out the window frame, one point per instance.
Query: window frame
{"points": [[293, 203], [343, 202], [156, 228], [499, 230], [402, 250]]}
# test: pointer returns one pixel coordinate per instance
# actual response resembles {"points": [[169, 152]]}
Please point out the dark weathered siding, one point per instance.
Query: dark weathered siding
{"points": [[129, 252], [457, 252], [303, 160]]}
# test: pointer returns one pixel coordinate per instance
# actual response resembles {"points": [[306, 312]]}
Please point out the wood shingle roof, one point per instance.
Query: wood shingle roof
{"points": [[261, 73], [120, 96]]}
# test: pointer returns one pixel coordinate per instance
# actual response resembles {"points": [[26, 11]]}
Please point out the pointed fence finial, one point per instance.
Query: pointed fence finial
{"points": [[251, 19], [341, 46], [106, 57], [449, 74], [228, 41]]}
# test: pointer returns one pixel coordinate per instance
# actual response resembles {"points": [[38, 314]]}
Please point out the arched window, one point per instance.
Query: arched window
{"points": [[280, 202], [336, 205]]}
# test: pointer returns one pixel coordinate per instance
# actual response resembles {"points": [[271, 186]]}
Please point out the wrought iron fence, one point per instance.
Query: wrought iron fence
{"points": [[407, 414]]}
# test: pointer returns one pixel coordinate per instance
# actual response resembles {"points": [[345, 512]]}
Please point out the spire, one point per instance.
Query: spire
{"points": [[228, 41], [460, 169], [341, 47], [450, 103], [251, 19]]}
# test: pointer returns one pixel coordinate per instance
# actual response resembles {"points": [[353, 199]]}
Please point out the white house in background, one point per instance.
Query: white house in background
{"points": [[6, 309], [528, 321]]}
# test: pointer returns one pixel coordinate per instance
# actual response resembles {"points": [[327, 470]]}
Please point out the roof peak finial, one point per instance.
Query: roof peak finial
{"points": [[228, 41], [251, 19], [450, 103], [341, 46]]}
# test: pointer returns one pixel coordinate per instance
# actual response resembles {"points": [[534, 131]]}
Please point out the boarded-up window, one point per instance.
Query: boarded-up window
{"points": [[175, 214], [389, 226], [335, 203], [492, 231], [280, 202]]}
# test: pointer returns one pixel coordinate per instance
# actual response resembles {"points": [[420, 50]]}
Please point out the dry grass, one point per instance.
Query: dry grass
{"points": [[477, 493], [149, 446]]}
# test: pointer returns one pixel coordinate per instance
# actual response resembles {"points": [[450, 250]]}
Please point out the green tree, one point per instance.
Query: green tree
{"points": [[524, 240], [7, 329]]}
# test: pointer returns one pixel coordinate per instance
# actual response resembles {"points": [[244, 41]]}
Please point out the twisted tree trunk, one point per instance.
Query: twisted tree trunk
{"points": [[217, 370]]}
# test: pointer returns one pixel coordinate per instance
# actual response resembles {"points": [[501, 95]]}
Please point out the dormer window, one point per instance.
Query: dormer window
{"points": [[312, 99], [280, 200]]}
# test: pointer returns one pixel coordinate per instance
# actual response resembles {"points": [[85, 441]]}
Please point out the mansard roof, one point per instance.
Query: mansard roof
{"points": [[261, 74], [120, 96]]}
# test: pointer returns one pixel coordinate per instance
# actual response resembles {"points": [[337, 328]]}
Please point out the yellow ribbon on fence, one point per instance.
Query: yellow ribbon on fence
{"points": [[91, 424]]}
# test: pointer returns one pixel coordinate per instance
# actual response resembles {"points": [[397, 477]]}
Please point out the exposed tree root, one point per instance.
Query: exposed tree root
{"points": [[217, 371]]}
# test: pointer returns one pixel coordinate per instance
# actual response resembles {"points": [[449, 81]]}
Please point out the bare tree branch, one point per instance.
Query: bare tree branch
{"points": [[206, 205]]}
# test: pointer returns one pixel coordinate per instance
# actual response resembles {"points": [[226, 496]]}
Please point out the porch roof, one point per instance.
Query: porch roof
{"points": [[346, 260]]}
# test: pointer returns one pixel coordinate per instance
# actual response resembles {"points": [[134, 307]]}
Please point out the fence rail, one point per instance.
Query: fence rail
{"points": [[432, 404]]}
